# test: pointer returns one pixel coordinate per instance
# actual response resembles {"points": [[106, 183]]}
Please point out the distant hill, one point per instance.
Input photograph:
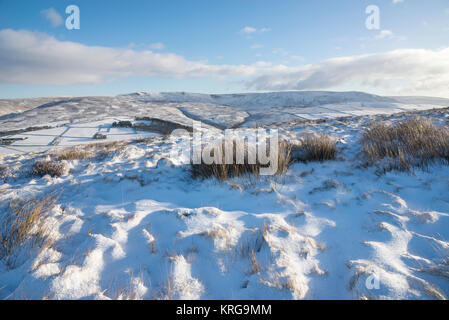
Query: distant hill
{"points": [[219, 110]]}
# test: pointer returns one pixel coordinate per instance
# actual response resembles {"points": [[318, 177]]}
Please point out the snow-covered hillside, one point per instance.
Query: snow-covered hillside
{"points": [[68, 115], [131, 223], [8, 106]]}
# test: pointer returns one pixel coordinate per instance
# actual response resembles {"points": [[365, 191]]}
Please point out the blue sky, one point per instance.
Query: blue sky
{"points": [[223, 46]]}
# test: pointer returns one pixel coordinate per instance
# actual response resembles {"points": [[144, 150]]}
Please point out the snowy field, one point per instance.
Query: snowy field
{"points": [[71, 135], [134, 224], [76, 120]]}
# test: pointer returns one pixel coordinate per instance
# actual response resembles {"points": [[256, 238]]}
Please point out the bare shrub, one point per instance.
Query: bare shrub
{"points": [[224, 171], [24, 222], [52, 168], [315, 148], [406, 144]]}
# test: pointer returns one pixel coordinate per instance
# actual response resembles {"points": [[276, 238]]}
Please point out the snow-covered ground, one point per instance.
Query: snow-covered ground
{"points": [[134, 224], [71, 135]]}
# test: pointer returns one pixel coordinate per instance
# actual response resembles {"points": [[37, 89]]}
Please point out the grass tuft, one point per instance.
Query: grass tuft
{"points": [[223, 171], [52, 168], [315, 148], [25, 222], [3, 171], [73, 154], [406, 144]]}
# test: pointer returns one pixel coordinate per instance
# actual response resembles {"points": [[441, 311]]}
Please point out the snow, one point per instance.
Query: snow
{"points": [[75, 120], [136, 225], [72, 135]]}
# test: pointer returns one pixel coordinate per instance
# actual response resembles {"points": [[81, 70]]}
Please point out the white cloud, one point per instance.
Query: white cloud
{"points": [[256, 46], [405, 71], [251, 30], [52, 16], [248, 30], [37, 58], [397, 1]]}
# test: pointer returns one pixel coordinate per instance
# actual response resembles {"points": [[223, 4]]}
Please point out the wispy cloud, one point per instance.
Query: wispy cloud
{"points": [[385, 34], [52, 16], [250, 30], [397, 1]]}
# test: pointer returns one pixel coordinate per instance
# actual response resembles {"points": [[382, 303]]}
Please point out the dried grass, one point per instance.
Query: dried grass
{"points": [[406, 144], [25, 222], [73, 154], [50, 167], [315, 148], [224, 171]]}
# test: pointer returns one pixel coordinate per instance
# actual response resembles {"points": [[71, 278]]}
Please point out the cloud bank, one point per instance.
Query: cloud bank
{"points": [[405, 71], [37, 59], [33, 58]]}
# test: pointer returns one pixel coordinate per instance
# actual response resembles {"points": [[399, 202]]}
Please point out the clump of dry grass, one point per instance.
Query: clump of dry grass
{"points": [[24, 222], [406, 144], [440, 269], [50, 167], [3, 171], [315, 148], [224, 171], [91, 150], [105, 148], [255, 267], [127, 293], [280, 282], [73, 154], [144, 140]]}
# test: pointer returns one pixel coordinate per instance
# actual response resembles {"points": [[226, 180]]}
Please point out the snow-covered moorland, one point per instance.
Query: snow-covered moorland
{"points": [[124, 220]]}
